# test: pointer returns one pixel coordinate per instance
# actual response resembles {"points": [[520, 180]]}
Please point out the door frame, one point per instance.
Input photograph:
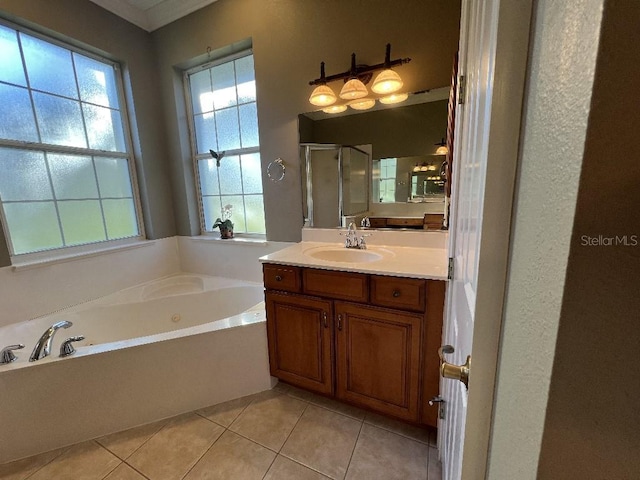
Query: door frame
{"points": [[513, 19]]}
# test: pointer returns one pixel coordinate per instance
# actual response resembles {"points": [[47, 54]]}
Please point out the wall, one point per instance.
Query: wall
{"points": [[564, 42], [290, 38], [592, 423], [89, 26]]}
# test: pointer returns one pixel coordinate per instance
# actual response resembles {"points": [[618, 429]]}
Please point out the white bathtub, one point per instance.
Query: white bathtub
{"points": [[150, 352]]}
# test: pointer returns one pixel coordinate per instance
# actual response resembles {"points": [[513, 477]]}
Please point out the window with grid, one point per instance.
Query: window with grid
{"points": [[388, 179], [224, 120], [65, 166]]}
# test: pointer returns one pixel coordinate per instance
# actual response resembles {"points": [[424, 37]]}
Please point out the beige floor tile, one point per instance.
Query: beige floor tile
{"points": [[124, 472], [286, 469], [233, 457], [421, 434], [323, 440], [124, 443], [324, 402], [225, 413], [435, 467], [386, 455], [269, 419], [21, 469], [85, 461], [171, 452]]}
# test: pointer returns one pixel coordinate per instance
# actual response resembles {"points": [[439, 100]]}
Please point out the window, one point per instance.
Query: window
{"points": [[388, 180], [224, 118], [65, 166]]}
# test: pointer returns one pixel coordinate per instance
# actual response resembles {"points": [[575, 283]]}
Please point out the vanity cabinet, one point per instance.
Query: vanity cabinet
{"points": [[362, 338]]}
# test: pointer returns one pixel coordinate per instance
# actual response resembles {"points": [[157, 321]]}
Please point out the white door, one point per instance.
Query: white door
{"points": [[492, 63]]}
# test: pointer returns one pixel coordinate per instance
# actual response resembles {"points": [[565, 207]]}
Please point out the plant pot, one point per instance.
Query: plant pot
{"points": [[226, 233]]}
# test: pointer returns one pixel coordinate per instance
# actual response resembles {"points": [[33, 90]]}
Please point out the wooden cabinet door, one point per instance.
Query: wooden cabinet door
{"points": [[378, 358], [299, 331]]}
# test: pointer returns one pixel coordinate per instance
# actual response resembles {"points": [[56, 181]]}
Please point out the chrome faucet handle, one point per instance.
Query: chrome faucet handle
{"points": [[7, 355], [66, 348], [43, 347], [365, 222], [362, 244]]}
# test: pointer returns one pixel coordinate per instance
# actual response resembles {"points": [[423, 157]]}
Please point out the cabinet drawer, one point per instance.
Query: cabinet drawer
{"points": [[405, 293], [340, 285], [281, 277], [405, 222]]}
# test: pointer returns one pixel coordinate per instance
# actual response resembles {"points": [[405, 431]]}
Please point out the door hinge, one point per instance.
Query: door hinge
{"points": [[450, 269], [462, 88]]}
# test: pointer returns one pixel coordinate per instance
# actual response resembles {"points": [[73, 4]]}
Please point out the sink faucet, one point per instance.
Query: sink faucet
{"points": [[352, 240], [43, 347]]}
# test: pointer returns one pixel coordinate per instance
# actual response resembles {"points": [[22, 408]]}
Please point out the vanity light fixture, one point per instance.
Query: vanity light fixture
{"points": [[442, 148], [322, 95], [387, 81], [362, 104], [335, 109], [356, 79], [394, 98]]}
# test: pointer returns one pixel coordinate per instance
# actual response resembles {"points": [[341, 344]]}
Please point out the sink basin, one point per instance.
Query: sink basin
{"points": [[343, 255]]}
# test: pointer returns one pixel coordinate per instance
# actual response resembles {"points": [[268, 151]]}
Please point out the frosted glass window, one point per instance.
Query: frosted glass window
{"points": [[23, 176], [60, 120], [96, 80], [113, 177], [11, 70], [227, 127], [249, 125], [65, 162], [72, 176], [224, 119], [251, 173], [16, 105], [33, 226], [230, 176], [49, 67], [104, 128], [81, 221], [120, 218], [206, 138]]}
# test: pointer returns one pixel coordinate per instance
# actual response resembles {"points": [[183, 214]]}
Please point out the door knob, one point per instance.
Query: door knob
{"points": [[456, 372]]}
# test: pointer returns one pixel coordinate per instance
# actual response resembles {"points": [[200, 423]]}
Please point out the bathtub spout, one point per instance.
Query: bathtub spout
{"points": [[43, 347]]}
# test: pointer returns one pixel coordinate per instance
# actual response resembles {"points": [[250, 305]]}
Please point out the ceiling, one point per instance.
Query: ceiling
{"points": [[152, 14]]}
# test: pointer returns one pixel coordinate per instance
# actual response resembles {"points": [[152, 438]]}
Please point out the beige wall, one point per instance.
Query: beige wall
{"points": [[88, 25], [592, 428], [290, 38]]}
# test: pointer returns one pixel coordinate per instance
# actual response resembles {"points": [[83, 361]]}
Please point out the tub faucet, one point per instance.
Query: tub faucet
{"points": [[43, 347]]}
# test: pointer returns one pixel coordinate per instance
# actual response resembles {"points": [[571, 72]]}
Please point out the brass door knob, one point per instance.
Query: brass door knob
{"points": [[456, 372]]}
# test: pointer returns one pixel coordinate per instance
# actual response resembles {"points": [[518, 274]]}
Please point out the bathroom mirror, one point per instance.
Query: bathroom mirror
{"points": [[397, 138]]}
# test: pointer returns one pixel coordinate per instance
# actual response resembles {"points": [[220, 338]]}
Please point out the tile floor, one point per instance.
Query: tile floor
{"points": [[280, 434]]}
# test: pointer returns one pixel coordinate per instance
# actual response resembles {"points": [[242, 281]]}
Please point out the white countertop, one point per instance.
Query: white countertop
{"points": [[414, 262]]}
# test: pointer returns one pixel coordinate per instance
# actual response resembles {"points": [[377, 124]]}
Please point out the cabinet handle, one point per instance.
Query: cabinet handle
{"points": [[339, 322], [396, 293], [324, 319], [278, 278]]}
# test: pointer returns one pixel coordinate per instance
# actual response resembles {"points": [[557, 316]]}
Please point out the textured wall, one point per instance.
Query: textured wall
{"points": [[562, 63], [593, 420]]}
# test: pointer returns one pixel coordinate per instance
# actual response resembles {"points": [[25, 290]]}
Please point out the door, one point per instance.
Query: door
{"points": [[378, 358], [492, 65], [300, 340]]}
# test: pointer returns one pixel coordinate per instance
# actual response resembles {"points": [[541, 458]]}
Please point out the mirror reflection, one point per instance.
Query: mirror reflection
{"points": [[379, 163]]}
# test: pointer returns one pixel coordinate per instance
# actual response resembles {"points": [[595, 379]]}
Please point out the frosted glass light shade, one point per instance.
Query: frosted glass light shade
{"points": [[322, 96], [353, 89], [363, 104], [442, 150], [394, 98], [335, 109], [387, 81]]}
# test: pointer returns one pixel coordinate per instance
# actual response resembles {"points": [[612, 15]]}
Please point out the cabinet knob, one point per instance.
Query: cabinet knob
{"points": [[396, 293], [278, 278], [324, 319]]}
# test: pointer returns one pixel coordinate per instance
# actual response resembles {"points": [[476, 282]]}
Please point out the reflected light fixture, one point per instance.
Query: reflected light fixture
{"points": [[394, 98], [387, 81], [362, 104], [335, 109], [322, 95], [442, 148]]}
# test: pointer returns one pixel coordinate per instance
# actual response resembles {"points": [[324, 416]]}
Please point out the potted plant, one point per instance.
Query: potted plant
{"points": [[225, 224]]}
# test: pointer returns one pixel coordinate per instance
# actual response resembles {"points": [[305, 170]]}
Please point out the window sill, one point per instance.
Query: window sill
{"points": [[257, 240], [70, 257]]}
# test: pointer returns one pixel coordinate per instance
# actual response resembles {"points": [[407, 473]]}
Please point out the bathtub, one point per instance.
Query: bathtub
{"points": [[150, 352]]}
